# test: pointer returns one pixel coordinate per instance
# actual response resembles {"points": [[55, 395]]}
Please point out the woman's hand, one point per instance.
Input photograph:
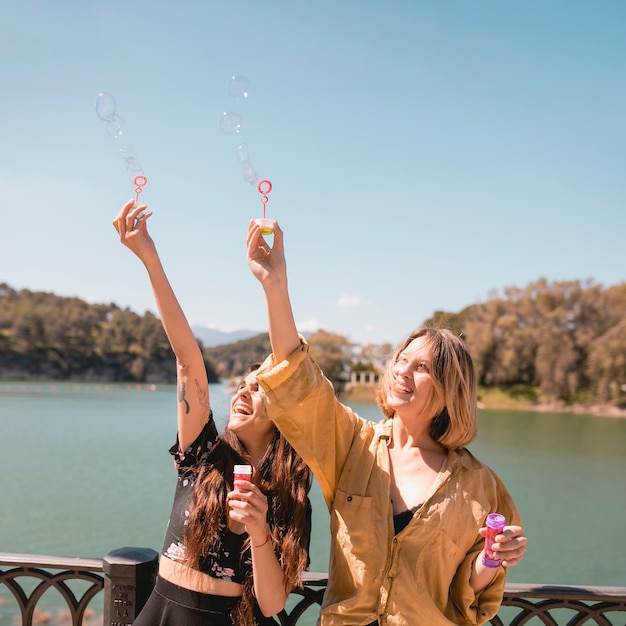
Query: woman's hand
{"points": [[248, 505], [263, 261], [132, 229], [509, 545]]}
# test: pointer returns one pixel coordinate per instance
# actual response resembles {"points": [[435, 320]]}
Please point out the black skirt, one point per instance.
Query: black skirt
{"points": [[171, 605]]}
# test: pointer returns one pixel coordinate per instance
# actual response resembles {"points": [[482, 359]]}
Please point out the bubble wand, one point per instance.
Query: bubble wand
{"points": [[264, 187], [139, 182]]}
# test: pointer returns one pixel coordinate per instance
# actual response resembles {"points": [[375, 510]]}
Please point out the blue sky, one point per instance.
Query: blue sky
{"points": [[422, 153]]}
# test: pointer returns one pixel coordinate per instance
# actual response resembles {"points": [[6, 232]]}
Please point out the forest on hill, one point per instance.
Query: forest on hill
{"points": [[46, 336], [549, 341]]}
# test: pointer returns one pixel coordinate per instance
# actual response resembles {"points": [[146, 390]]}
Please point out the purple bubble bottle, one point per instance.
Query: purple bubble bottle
{"points": [[495, 523]]}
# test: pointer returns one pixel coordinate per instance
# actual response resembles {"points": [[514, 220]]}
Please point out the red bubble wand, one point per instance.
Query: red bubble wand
{"points": [[139, 182], [264, 187], [264, 192]]}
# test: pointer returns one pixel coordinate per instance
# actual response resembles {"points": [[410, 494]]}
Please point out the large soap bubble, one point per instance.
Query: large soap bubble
{"points": [[247, 169], [105, 106], [231, 122], [239, 87]]}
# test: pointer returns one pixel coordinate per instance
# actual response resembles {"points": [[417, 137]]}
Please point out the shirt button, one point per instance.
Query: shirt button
{"points": [[395, 540], [389, 578], [349, 498]]}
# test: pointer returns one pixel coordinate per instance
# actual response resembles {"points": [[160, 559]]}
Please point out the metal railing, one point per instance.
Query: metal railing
{"points": [[126, 577]]}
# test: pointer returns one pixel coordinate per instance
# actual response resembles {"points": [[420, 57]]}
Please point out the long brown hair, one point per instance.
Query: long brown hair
{"points": [[284, 478]]}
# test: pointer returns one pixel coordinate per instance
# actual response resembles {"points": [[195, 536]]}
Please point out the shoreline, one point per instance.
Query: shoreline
{"points": [[358, 393], [367, 394], [596, 410]]}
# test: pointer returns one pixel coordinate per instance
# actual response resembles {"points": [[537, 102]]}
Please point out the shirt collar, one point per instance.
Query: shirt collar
{"points": [[456, 458]]}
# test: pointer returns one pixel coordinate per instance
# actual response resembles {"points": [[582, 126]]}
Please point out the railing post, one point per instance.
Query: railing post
{"points": [[129, 577]]}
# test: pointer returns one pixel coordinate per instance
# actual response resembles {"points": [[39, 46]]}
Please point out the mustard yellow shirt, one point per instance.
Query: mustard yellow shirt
{"points": [[419, 577]]}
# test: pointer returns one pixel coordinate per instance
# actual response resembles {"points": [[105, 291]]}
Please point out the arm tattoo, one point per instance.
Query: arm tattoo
{"points": [[203, 394], [181, 396]]}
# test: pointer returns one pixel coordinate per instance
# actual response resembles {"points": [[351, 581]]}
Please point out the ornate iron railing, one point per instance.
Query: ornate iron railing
{"points": [[562, 605], [37, 568], [127, 575]]}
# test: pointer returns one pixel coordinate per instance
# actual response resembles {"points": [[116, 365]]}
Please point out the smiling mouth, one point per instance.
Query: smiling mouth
{"points": [[241, 409], [401, 388]]}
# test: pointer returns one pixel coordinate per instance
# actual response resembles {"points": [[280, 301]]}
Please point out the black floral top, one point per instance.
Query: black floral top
{"points": [[226, 563]]}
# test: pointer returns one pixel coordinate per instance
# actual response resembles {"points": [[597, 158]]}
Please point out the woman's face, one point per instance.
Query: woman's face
{"points": [[411, 383], [245, 409]]}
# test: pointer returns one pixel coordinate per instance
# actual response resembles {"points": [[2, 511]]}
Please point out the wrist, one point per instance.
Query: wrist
{"points": [[260, 538], [151, 260], [275, 285], [263, 542]]}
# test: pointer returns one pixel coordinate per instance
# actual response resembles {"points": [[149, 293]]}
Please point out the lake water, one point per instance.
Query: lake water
{"points": [[85, 470]]}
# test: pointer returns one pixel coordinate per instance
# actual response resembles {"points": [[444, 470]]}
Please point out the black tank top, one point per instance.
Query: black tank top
{"points": [[401, 520]]}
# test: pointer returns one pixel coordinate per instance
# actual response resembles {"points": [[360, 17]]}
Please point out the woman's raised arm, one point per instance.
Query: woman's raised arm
{"points": [[192, 383], [269, 267]]}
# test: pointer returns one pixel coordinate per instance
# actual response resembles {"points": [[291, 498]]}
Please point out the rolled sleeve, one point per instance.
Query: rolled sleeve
{"points": [[302, 403], [287, 382], [471, 607], [478, 608]]}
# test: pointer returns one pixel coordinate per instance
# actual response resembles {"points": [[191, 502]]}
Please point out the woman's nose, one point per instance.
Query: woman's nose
{"points": [[243, 392], [401, 368]]}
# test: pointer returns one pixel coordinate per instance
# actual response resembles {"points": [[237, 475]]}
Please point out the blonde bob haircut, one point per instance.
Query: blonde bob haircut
{"points": [[452, 401]]}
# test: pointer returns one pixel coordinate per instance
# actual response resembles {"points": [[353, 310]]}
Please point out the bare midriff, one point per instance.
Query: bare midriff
{"points": [[184, 576]]}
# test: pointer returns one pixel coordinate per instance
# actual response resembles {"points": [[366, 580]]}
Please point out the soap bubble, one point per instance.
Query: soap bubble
{"points": [[239, 87], [247, 169], [230, 122], [127, 150], [105, 106], [133, 167], [115, 126]]}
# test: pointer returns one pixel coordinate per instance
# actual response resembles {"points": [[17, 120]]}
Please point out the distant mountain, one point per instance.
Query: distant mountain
{"points": [[211, 337]]}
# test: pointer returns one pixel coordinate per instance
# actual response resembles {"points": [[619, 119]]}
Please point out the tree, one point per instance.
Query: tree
{"points": [[333, 355]]}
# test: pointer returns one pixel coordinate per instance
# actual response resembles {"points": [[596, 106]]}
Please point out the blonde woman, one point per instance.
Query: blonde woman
{"points": [[407, 500]]}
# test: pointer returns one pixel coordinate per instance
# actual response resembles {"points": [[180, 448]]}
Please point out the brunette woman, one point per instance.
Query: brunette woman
{"points": [[233, 549]]}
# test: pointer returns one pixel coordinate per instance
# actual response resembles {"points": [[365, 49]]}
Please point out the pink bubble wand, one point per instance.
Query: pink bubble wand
{"points": [[264, 192], [139, 182], [264, 187]]}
